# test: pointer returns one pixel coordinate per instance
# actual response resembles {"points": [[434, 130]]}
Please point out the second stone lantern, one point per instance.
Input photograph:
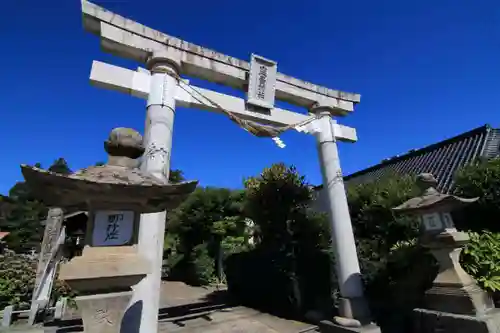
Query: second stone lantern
{"points": [[115, 195], [454, 303]]}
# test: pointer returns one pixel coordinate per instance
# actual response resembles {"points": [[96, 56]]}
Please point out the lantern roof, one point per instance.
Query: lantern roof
{"points": [[431, 199], [119, 184]]}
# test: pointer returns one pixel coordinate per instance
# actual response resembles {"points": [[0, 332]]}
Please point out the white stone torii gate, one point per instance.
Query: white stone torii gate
{"points": [[167, 58]]}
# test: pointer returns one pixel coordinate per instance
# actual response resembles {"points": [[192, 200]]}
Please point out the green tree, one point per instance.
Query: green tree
{"points": [[60, 166], [176, 176], [481, 259], [479, 180], [18, 279], [276, 201], [26, 212], [370, 207], [21, 192], [290, 235], [23, 223], [200, 224]]}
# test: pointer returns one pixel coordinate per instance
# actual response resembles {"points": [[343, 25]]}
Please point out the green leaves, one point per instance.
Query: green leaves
{"points": [[206, 213], [371, 206], [481, 259], [480, 180], [23, 218], [277, 202], [60, 166], [198, 225], [18, 279], [176, 176]]}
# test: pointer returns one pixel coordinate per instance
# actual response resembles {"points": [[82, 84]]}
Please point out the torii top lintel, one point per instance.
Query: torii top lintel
{"points": [[126, 38]]}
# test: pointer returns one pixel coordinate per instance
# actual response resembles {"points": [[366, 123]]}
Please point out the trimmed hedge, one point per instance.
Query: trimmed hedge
{"points": [[260, 279]]}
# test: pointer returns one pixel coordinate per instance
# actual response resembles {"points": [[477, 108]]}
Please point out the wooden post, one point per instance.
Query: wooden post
{"points": [[53, 226]]}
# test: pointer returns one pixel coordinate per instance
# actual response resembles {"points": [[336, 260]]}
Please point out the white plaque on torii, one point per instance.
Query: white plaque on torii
{"points": [[261, 82]]}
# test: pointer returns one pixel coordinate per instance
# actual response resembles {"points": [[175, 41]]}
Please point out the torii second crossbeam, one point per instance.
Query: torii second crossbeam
{"points": [[137, 83]]}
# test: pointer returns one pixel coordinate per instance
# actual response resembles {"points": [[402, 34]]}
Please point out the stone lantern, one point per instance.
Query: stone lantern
{"points": [[454, 303], [114, 195]]}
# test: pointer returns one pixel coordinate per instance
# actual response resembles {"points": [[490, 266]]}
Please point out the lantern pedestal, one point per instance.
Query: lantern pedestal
{"points": [[103, 313], [429, 321], [453, 290], [454, 303], [114, 268], [104, 275]]}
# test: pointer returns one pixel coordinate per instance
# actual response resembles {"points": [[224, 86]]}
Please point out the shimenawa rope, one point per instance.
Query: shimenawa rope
{"points": [[252, 127]]}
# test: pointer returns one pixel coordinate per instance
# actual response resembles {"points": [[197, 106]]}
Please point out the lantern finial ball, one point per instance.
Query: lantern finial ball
{"points": [[124, 142], [426, 181]]}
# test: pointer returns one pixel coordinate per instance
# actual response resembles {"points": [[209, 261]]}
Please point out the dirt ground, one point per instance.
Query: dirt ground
{"points": [[186, 309]]}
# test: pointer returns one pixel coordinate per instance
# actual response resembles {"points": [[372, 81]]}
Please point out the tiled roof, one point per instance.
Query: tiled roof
{"points": [[3, 234], [442, 159]]}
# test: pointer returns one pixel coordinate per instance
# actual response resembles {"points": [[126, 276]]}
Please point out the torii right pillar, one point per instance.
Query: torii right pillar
{"points": [[354, 314]]}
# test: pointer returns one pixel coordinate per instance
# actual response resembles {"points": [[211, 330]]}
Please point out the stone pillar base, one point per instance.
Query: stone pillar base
{"points": [[353, 307], [327, 326], [428, 321], [103, 313]]}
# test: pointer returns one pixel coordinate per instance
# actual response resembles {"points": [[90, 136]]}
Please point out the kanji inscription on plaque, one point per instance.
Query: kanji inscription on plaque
{"points": [[432, 221], [112, 228]]}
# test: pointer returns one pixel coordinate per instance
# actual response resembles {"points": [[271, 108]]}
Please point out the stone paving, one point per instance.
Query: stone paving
{"points": [[186, 309]]}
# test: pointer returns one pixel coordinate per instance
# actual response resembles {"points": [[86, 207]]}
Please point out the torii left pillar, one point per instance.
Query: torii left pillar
{"points": [[156, 161]]}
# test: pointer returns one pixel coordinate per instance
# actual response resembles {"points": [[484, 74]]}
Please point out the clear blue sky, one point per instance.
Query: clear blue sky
{"points": [[426, 70]]}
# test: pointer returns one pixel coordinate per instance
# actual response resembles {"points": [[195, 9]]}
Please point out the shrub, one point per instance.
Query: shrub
{"points": [[235, 244], [480, 180], [481, 259], [195, 268], [171, 256], [370, 206], [197, 229], [317, 282], [258, 279], [202, 266], [396, 282], [18, 280], [289, 261]]}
